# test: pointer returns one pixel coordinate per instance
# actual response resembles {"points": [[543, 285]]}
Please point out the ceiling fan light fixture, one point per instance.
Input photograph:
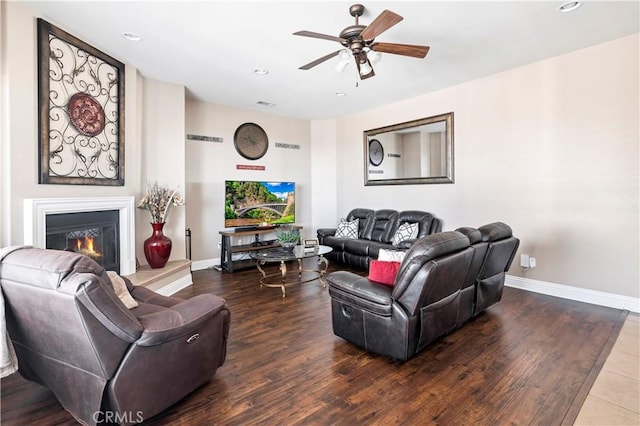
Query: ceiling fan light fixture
{"points": [[373, 56], [365, 70], [344, 58], [341, 65]]}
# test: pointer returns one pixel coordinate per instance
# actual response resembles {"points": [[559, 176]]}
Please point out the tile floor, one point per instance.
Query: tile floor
{"points": [[614, 398]]}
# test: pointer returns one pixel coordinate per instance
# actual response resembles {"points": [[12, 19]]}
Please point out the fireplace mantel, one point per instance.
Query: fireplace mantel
{"points": [[37, 209]]}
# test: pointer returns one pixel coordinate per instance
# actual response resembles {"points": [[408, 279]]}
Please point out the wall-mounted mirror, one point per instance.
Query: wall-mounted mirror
{"points": [[418, 151]]}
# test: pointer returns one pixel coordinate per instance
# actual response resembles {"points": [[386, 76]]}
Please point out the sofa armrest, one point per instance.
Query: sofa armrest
{"points": [[180, 320], [361, 292], [326, 232], [406, 244], [143, 294]]}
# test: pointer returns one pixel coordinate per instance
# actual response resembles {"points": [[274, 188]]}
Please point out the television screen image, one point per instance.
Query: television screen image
{"points": [[250, 204]]}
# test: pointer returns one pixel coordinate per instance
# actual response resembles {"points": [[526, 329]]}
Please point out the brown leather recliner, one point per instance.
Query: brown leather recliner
{"points": [[422, 305], [103, 361], [444, 280]]}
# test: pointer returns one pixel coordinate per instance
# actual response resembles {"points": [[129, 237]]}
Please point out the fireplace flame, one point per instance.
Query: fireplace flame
{"points": [[85, 246]]}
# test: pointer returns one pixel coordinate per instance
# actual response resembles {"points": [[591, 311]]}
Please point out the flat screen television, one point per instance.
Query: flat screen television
{"points": [[252, 204]]}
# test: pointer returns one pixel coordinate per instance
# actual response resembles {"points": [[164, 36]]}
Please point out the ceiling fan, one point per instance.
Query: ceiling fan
{"points": [[359, 40]]}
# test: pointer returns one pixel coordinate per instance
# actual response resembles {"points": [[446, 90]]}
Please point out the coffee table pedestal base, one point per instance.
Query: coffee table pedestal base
{"points": [[280, 279]]}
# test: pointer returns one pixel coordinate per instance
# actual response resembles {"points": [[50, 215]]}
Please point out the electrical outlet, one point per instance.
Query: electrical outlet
{"points": [[532, 262], [525, 260]]}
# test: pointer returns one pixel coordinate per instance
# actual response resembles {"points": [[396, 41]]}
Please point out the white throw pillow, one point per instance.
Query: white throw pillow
{"points": [[406, 231], [120, 287], [386, 255], [347, 229]]}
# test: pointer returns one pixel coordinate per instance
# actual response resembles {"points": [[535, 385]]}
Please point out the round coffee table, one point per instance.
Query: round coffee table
{"points": [[283, 256]]}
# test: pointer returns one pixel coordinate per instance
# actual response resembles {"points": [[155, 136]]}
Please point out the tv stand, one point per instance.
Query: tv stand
{"points": [[227, 263]]}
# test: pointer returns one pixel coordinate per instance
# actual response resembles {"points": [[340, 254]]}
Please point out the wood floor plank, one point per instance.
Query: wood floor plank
{"points": [[524, 361]]}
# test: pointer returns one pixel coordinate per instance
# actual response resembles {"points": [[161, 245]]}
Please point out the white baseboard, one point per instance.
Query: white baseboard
{"points": [[175, 286], [594, 297], [198, 265]]}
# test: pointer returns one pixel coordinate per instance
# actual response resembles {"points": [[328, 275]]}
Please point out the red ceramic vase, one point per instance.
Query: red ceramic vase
{"points": [[157, 248]]}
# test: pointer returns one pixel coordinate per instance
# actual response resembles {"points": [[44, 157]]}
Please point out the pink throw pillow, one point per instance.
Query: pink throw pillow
{"points": [[383, 272]]}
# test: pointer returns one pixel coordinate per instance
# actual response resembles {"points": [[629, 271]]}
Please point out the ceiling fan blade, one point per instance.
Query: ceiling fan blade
{"points": [[382, 23], [318, 35], [401, 49], [319, 60]]}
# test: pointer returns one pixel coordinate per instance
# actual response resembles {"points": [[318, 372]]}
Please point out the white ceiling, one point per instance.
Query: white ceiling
{"points": [[212, 47]]}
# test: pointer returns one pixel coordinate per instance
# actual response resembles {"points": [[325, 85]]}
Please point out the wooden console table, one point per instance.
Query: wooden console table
{"points": [[227, 263]]}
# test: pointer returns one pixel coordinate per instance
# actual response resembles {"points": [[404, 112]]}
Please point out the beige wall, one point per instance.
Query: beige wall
{"points": [[551, 148], [209, 164], [163, 159], [154, 135]]}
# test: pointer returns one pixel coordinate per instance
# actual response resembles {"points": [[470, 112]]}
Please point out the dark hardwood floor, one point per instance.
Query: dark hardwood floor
{"points": [[530, 359]]}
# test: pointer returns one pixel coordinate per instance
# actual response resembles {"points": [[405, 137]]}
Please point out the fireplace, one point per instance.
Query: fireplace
{"points": [[108, 222], [94, 234]]}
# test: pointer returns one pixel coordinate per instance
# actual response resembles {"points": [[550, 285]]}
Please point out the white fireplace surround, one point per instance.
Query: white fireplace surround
{"points": [[37, 209]]}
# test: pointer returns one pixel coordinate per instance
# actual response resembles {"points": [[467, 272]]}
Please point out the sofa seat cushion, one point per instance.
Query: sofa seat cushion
{"points": [[361, 293], [359, 247], [374, 248], [336, 243]]}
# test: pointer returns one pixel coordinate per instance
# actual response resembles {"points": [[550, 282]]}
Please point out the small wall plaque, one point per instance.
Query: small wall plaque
{"points": [[204, 138], [287, 145], [249, 167]]}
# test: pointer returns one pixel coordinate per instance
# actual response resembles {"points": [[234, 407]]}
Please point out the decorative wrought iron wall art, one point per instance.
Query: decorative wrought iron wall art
{"points": [[81, 110]]}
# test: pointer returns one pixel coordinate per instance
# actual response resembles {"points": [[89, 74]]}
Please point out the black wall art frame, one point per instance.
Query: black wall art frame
{"points": [[81, 111]]}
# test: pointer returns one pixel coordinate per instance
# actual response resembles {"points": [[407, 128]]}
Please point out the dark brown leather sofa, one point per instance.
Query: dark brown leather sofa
{"points": [[72, 334], [445, 279], [376, 229]]}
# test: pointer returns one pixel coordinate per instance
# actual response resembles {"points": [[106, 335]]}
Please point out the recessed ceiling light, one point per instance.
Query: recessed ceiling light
{"points": [[132, 36], [341, 94], [261, 71], [569, 6]]}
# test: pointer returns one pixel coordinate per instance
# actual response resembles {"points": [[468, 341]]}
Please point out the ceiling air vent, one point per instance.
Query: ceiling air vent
{"points": [[265, 103]]}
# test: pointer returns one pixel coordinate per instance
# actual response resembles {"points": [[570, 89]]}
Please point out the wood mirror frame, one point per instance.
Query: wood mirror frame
{"points": [[415, 152]]}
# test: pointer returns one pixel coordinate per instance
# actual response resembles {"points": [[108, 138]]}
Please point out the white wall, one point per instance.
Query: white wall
{"points": [[209, 164], [551, 148]]}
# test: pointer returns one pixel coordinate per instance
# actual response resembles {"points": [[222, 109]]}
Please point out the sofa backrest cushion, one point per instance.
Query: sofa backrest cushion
{"points": [[425, 221], [502, 249], [479, 253], [444, 258], [363, 215], [381, 226]]}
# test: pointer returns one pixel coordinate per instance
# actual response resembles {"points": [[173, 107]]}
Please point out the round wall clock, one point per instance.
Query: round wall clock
{"points": [[251, 141], [376, 152]]}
